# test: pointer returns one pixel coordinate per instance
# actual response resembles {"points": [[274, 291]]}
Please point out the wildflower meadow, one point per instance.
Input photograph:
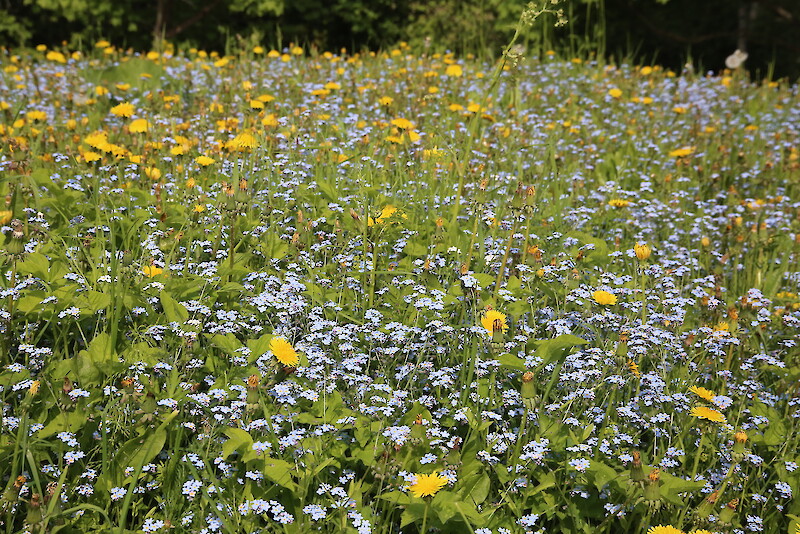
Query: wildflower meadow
{"points": [[287, 291]]}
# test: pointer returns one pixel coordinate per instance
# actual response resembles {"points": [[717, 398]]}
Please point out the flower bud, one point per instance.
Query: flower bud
{"points": [[739, 440], [707, 506], [727, 513], [652, 487], [642, 251], [637, 471], [528, 390]]}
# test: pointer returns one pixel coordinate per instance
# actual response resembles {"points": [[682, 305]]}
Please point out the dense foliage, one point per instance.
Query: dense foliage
{"points": [[669, 31], [289, 292]]}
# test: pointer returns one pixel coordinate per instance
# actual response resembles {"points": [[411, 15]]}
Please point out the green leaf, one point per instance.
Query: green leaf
{"points": [[511, 362], [485, 280], [413, 513], [397, 497], [280, 472], [477, 489], [237, 439], [443, 504], [227, 343], [140, 450], [258, 347], [600, 474], [415, 249], [35, 264], [95, 301], [173, 310], [63, 422], [554, 349]]}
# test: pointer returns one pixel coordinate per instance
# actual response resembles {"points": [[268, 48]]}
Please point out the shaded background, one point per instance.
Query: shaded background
{"points": [[668, 32]]}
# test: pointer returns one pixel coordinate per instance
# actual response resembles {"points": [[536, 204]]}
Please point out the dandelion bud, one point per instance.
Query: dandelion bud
{"points": [[439, 222], [253, 381], [642, 251], [528, 390], [34, 509], [727, 513], [706, 242], [652, 488], [484, 184], [637, 471], [739, 440], [707, 506], [354, 215], [34, 389]]}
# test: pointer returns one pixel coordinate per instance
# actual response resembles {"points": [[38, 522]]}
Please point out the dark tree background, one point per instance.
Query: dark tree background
{"points": [[668, 32]]}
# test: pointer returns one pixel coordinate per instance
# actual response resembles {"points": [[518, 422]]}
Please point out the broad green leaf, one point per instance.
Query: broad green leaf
{"points": [[63, 422], [173, 310], [35, 264], [280, 472], [511, 362], [550, 350], [237, 439]]}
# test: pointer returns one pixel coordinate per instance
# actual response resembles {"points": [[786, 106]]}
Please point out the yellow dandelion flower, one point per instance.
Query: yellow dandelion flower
{"points": [[454, 71], [682, 152], [604, 298], [619, 203], [6, 216], [243, 141], [284, 351], [701, 531], [386, 212], [139, 126], [154, 173], [58, 57], [125, 109], [151, 270], [664, 529], [703, 393], [403, 124], [385, 101], [489, 317], [615, 92], [36, 115], [709, 414], [269, 121], [90, 156], [427, 485], [204, 161]]}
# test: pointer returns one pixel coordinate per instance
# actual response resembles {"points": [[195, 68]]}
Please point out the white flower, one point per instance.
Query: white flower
{"points": [[735, 60]]}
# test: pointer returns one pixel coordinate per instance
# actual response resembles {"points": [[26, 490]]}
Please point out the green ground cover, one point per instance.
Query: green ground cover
{"points": [[285, 292]]}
